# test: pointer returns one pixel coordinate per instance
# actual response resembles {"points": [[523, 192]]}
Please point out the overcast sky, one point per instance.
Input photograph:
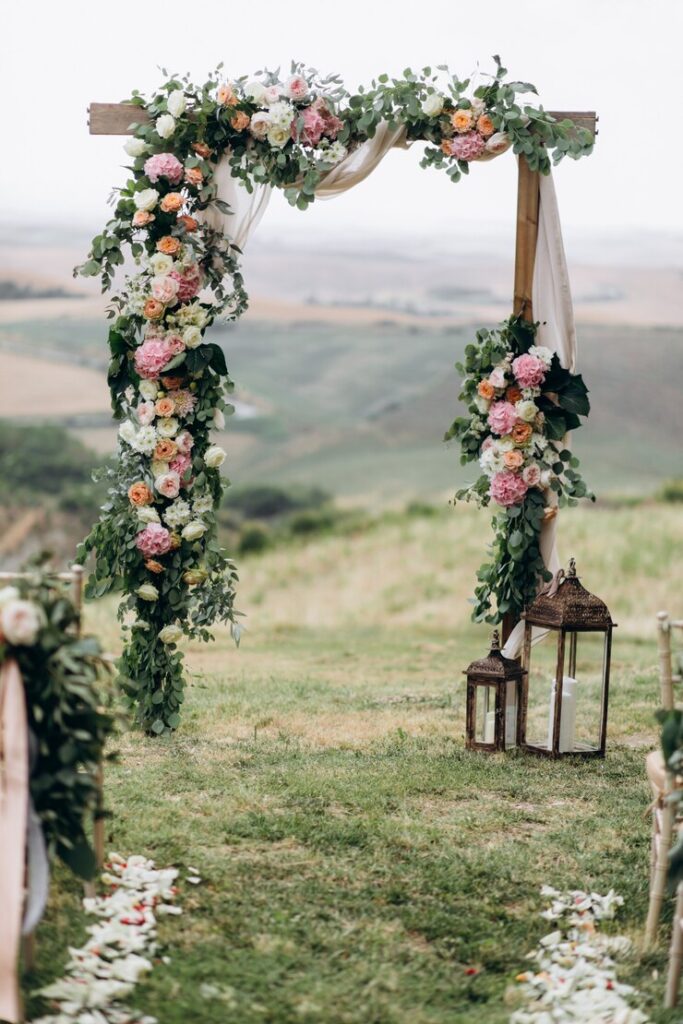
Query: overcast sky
{"points": [[620, 57]]}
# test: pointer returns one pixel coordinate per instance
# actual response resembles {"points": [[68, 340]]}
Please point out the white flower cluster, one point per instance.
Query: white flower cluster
{"points": [[20, 620], [103, 972], [576, 978]]}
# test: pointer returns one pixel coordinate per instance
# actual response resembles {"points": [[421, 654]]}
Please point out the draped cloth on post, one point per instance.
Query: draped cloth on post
{"points": [[14, 799], [551, 294]]}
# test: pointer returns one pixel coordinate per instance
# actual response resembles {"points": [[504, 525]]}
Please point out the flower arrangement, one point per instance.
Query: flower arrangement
{"points": [[521, 402], [156, 539], [62, 675]]}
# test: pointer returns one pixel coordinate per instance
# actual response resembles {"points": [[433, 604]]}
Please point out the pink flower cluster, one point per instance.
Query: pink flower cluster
{"points": [[189, 282], [529, 371], [152, 356], [180, 465], [318, 121], [153, 540], [502, 417], [508, 488], [467, 147], [164, 165]]}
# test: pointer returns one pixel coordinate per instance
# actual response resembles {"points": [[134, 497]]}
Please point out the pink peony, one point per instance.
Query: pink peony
{"points": [[531, 475], [502, 417], [332, 123], [189, 282], [469, 146], [166, 288], [146, 413], [296, 88], [151, 357], [180, 464], [168, 484], [529, 371], [312, 130], [497, 377], [164, 165], [153, 540], [507, 488], [184, 441], [176, 343]]}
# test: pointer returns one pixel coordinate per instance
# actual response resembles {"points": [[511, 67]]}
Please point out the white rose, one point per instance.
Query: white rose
{"points": [[432, 105], [160, 264], [218, 419], [272, 94], [542, 353], [20, 622], [170, 634], [278, 136], [255, 91], [149, 390], [259, 124], [135, 147], [146, 199], [175, 104], [490, 461], [526, 411], [158, 468], [8, 594], [214, 457], [148, 592], [167, 427], [165, 126], [147, 514], [127, 432], [192, 337], [194, 530], [482, 404]]}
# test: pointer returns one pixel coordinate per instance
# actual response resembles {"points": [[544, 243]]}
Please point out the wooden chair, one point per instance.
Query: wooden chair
{"points": [[73, 578]]}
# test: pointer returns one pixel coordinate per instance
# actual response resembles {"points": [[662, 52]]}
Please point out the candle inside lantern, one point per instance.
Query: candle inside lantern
{"points": [[511, 715], [490, 727], [567, 715]]}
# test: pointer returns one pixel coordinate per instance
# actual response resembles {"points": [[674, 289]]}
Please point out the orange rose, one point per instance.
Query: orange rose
{"points": [[153, 309], [154, 566], [462, 120], [513, 459], [201, 149], [139, 494], [521, 432], [446, 147], [193, 176], [513, 394], [189, 223], [226, 97], [165, 450], [172, 202], [240, 121], [169, 245], [486, 389], [485, 126], [165, 407], [141, 218], [171, 383]]}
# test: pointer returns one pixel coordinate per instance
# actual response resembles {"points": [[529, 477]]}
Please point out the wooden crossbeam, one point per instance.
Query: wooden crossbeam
{"points": [[116, 118]]}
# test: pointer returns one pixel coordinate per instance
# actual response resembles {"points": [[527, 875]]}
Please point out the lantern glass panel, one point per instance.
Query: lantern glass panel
{"points": [[485, 714], [585, 662], [542, 669]]}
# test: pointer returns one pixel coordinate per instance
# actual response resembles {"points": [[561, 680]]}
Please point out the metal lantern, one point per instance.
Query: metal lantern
{"points": [[574, 684], [494, 692]]}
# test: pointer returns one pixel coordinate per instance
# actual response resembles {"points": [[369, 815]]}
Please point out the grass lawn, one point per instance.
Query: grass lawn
{"points": [[357, 861]]}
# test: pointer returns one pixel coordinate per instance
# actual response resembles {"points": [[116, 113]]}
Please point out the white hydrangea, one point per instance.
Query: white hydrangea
{"points": [[178, 513], [145, 440], [530, 393], [202, 504], [281, 115], [491, 460], [146, 514], [539, 441], [542, 353]]}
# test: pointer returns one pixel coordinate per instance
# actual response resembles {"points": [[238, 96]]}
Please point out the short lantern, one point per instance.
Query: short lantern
{"points": [[573, 711], [494, 692]]}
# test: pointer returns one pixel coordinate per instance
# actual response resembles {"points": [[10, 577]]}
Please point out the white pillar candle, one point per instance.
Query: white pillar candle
{"points": [[490, 727], [511, 715], [567, 715]]}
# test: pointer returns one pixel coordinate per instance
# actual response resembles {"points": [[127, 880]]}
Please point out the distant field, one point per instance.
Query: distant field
{"points": [[361, 410]]}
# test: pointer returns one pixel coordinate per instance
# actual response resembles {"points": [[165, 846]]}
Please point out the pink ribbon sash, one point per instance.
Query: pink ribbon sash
{"points": [[13, 812]]}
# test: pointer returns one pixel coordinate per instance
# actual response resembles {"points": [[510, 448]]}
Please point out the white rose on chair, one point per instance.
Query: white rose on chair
{"points": [[432, 105], [170, 634], [146, 199], [194, 530], [20, 622], [176, 103], [165, 126], [135, 147], [215, 456]]}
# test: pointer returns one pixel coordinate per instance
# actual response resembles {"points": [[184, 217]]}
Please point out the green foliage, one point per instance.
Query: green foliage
{"points": [[671, 491], [41, 459], [254, 538], [267, 501]]}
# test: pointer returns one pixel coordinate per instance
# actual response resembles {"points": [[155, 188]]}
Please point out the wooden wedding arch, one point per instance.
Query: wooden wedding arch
{"points": [[116, 119]]}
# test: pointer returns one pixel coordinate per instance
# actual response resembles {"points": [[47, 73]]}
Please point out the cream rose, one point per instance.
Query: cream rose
{"points": [[215, 456], [272, 94], [160, 264], [259, 124], [146, 199], [255, 91], [278, 136], [135, 147], [20, 622], [149, 390], [432, 105], [167, 427], [170, 634], [165, 126], [148, 592], [175, 104], [526, 411], [194, 530], [192, 337]]}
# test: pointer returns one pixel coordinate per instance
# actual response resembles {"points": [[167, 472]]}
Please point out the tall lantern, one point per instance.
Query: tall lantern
{"points": [[574, 684], [494, 691]]}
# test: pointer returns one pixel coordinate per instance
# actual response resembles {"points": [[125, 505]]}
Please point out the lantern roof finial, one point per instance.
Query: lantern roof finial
{"points": [[571, 571], [495, 641]]}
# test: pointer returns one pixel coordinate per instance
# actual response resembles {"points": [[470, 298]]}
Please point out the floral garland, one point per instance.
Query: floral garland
{"points": [[61, 673], [521, 403], [156, 539]]}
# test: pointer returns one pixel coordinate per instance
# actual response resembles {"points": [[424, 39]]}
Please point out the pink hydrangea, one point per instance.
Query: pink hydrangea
{"points": [[502, 417], [164, 165], [333, 125], [180, 464], [153, 540], [529, 371], [184, 441], [151, 357], [313, 127], [189, 282], [469, 146], [507, 488]]}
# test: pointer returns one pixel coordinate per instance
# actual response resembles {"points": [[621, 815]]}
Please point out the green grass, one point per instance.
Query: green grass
{"points": [[357, 861]]}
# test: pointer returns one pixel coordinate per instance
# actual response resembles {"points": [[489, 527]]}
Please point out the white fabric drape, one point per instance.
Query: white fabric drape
{"points": [[551, 293]]}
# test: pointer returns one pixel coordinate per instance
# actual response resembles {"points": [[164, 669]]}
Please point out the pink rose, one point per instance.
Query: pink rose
{"points": [[175, 343], [168, 484], [164, 165], [180, 464], [469, 146], [529, 371], [507, 488], [189, 282], [487, 443], [165, 289], [145, 413], [332, 123], [296, 88], [272, 94], [153, 540], [497, 377], [151, 357], [184, 442], [313, 127], [531, 475], [502, 417]]}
